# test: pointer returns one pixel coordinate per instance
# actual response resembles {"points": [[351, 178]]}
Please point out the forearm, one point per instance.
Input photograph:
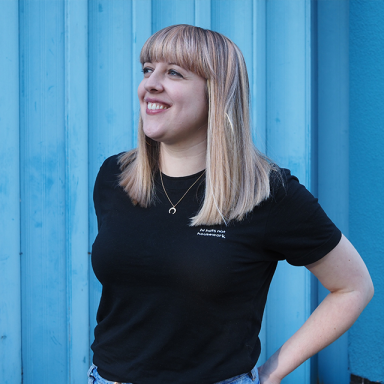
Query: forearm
{"points": [[330, 320]]}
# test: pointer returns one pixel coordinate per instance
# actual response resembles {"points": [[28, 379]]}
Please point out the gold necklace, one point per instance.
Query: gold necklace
{"points": [[173, 209]]}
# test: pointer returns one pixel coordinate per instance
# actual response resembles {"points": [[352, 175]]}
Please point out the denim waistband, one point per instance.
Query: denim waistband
{"points": [[252, 375]]}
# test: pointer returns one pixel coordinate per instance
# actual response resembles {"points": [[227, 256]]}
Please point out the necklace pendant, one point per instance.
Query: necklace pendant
{"points": [[172, 210]]}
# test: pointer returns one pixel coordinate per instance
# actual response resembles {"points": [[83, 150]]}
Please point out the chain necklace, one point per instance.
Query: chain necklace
{"points": [[172, 210]]}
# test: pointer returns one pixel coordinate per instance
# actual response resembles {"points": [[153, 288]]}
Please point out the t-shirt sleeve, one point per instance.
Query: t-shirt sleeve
{"points": [[106, 178], [97, 197], [297, 229]]}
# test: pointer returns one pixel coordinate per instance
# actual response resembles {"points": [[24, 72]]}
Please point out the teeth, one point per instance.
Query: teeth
{"points": [[156, 106]]}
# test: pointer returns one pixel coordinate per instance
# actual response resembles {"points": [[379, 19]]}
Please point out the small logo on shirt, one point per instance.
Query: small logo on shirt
{"points": [[212, 232]]}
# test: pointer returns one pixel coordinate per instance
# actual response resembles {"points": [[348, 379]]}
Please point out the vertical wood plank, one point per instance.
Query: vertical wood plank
{"points": [[141, 31], [203, 14], [76, 184], [289, 143], [110, 100], [259, 83], [333, 147], [170, 12], [10, 310], [43, 269], [224, 12]]}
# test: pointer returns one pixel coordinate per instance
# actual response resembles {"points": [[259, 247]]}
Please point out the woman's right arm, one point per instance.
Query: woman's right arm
{"points": [[344, 274]]}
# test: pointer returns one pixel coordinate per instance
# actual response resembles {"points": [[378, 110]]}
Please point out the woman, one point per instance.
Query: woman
{"points": [[192, 224]]}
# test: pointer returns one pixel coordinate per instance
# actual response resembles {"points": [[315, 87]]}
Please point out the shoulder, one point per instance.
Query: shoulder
{"points": [[109, 171], [283, 184], [289, 200], [297, 227], [112, 163]]}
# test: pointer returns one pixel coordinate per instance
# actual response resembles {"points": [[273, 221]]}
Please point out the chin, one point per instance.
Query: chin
{"points": [[156, 136]]}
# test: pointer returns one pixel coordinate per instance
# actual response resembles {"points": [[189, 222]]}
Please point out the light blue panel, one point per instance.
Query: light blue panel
{"points": [[170, 12], [43, 267], [289, 85], [224, 14], [366, 199], [289, 143], [203, 14], [333, 142], [141, 29], [110, 99], [10, 321], [259, 78], [242, 33], [76, 183]]}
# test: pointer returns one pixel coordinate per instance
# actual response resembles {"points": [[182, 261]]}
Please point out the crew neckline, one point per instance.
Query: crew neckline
{"points": [[194, 175], [179, 182]]}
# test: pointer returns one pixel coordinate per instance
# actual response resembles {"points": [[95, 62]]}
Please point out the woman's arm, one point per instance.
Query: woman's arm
{"points": [[344, 274]]}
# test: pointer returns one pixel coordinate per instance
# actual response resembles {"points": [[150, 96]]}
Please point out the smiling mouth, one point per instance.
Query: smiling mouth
{"points": [[157, 106]]}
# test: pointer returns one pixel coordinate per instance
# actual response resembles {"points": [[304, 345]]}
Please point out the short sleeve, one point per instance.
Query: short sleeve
{"points": [[106, 179], [297, 229]]}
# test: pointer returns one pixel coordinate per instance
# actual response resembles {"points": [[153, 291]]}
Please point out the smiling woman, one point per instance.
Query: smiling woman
{"points": [[192, 224]]}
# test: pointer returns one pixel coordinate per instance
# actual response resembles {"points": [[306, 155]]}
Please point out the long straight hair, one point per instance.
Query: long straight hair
{"points": [[237, 174]]}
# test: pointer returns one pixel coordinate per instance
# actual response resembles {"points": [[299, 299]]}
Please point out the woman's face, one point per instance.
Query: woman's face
{"points": [[173, 104]]}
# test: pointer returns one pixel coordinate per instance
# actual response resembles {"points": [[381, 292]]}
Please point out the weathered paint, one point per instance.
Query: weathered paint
{"points": [[10, 300], [366, 199], [333, 156], [42, 176], [76, 188]]}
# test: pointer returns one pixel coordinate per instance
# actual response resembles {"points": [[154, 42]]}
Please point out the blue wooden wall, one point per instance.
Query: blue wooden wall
{"points": [[68, 83], [366, 349]]}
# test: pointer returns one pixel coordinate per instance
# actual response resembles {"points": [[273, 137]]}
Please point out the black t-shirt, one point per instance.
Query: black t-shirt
{"points": [[183, 304]]}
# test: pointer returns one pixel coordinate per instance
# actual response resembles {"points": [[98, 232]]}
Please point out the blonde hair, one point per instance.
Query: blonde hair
{"points": [[237, 175]]}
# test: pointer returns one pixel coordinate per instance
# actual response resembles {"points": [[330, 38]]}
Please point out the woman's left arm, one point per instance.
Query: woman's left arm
{"points": [[344, 274]]}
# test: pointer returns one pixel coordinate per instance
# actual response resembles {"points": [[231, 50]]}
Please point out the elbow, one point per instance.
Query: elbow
{"points": [[370, 290], [366, 292]]}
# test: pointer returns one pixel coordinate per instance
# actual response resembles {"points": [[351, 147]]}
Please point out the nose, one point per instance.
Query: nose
{"points": [[153, 83]]}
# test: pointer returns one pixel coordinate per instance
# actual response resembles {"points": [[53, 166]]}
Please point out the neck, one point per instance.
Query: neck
{"points": [[178, 162]]}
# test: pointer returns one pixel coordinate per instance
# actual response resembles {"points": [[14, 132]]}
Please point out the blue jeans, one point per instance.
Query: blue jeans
{"points": [[246, 378]]}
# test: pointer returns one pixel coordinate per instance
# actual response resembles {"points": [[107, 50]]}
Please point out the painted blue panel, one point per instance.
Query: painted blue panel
{"points": [[258, 82], [76, 128], [289, 141], [223, 13], [170, 12], [333, 156], [110, 100], [203, 14], [366, 178], [43, 270], [141, 29], [289, 86], [10, 320]]}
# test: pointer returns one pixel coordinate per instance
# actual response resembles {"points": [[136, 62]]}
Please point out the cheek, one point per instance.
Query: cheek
{"points": [[201, 108], [200, 101], [141, 91]]}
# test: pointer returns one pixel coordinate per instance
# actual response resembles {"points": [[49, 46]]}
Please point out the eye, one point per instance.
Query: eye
{"points": [[174, 73], [147, 70]]}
